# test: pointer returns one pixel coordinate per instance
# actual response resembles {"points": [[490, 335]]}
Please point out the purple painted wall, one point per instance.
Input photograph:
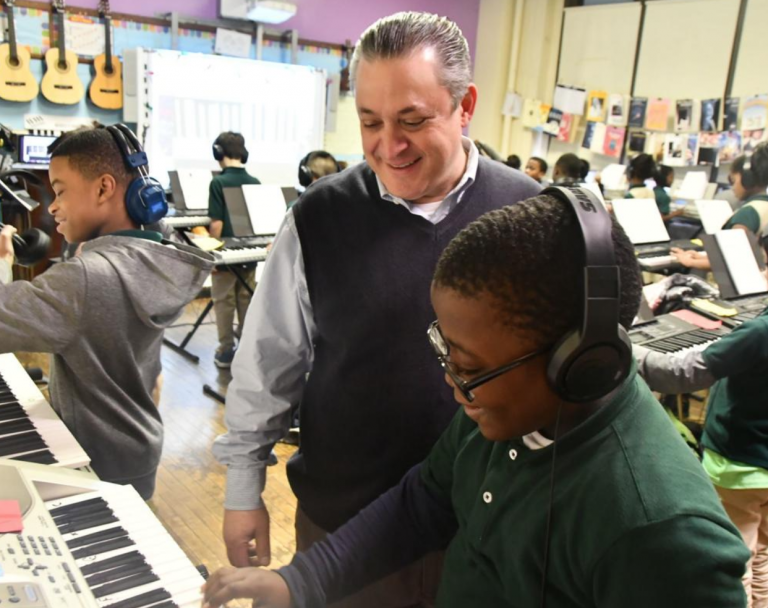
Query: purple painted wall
{"points": [[323, 20]]}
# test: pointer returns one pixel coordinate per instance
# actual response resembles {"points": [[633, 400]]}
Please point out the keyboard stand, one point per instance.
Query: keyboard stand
{"points": [[208, 390], [182, 348]]}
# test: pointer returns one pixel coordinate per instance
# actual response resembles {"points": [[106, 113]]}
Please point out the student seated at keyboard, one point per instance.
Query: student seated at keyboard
{"points": [[634, 520], [641, 168], [749, 180], [735, 369], [102, 313]]}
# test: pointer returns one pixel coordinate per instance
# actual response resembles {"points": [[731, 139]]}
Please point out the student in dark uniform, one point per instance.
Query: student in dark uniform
{"points": [[228, 294], [735, 369], [664, 177], [543, 489], [641, 168]]}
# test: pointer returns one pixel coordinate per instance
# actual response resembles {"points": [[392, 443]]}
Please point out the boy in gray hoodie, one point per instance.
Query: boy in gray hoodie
{"points": [[102, 313]]}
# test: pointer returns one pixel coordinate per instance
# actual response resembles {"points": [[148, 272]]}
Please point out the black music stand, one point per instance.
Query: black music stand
{"points": [[720, 268]]}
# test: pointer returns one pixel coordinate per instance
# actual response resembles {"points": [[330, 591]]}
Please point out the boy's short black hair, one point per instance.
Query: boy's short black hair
{"points": [[570, 166], [585, 167], [758, 164], [641, 167], [662, 174], [233, 145], [529, 257], [92, 151], [513, 160], [543, 166]]}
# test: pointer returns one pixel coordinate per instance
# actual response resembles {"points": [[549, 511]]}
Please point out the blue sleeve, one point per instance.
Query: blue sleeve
{"points": [[402, 525]]}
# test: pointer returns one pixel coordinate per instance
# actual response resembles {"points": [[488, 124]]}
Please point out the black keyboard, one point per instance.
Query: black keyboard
{"points": [[671, 335]]}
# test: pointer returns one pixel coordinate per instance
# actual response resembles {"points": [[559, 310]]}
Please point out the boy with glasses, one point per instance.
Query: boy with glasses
{"points": [[623, 517]]}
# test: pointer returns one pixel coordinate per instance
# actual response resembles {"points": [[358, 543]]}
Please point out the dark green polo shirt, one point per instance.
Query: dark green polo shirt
{"points": [[737, 412], [636, 522], [662, 200], [231, 177], [747, 216]]}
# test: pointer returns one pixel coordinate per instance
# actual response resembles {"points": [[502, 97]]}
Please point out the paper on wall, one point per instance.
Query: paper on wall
{"points": [[569, 99], [513, 105], [85, 39], [230, 42]]}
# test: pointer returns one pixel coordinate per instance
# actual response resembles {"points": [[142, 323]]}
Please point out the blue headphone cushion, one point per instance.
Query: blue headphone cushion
{"points": [[145, 201]]}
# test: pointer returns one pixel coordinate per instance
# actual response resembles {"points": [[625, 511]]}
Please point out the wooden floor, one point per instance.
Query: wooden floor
{"points": [[190, 483]]}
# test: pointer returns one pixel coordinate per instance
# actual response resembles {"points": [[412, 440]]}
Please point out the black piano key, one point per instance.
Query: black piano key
{"points": [[86, 524], [106, 546], [16, 426], [11, 411], [75, 506], [112, 562], [82, 517], [96, 537], [42, 457], [116, 574], [140, 601], [130, 582], [23, 442], [166, 605]]}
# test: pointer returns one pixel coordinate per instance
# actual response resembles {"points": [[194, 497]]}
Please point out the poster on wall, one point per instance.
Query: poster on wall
{"points": [[552, 125], [637, 141], [731, 114], [567, 128], [617, 110], [657, 114], [729, 146], [708, 144], [750, 139], [614, 141], [755, 112], [598, 138], [532, 113], [589, 134], [685, 115], [637, 109], [569, 99], [710, 115], [596, 103]]}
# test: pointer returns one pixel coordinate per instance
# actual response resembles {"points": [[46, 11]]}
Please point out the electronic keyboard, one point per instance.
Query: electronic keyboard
{"points": [[186, 221], [239, 255], [747, 307], [88, 544], [29, 428], [671, 335]]}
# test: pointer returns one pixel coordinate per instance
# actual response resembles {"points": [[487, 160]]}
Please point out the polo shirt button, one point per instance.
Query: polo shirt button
{"points": [[487, 497], [513, 454]]}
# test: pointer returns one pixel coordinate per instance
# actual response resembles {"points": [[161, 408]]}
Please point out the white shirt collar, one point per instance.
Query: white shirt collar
{"points": [[470, 173]]}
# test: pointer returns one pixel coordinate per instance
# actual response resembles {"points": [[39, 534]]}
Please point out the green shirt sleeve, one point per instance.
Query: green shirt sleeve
{"points": [[628, 195], [216, 208], [746, 216], [743, 350], [437, 470], [662, 200], [684, 561]]}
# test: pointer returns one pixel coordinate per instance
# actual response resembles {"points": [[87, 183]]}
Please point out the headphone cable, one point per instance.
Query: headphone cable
{"points": [[545, 568]]}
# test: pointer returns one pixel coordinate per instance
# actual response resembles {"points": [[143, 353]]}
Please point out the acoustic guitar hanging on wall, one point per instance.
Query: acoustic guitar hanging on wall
{"points": [[16, 80], [106, 90], [61, 83]]}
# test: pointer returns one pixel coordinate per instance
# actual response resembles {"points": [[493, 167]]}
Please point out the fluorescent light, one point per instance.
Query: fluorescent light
{"points": [[270, 11]]}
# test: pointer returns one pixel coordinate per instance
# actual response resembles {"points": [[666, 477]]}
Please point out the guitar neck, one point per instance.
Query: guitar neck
{"points": [[60, 42], [12, 37], [108, 43]]}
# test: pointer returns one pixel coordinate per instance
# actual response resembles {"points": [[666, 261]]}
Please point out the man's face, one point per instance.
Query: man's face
{"points": [[411, 131], [78, 206], [533, 170], [513, 404]]}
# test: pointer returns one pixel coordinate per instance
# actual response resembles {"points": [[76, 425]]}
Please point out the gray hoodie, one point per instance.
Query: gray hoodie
{"points": [[102, 315]]}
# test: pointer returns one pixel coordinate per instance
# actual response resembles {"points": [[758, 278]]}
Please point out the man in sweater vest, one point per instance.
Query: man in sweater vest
{"points": [[346, 296]]}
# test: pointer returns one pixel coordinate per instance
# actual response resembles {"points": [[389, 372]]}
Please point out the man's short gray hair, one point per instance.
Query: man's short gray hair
{"points": [[403, 33]]}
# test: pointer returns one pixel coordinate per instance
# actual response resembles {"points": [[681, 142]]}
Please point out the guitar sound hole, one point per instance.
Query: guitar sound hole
{"points": [[109, 71], [14, 62], [63, 65]]}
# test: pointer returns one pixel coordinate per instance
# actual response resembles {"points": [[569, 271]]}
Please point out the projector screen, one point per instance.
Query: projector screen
{"points": [[189, 98]]}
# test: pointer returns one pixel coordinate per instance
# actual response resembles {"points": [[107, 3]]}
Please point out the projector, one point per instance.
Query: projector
{"points": [[262, 11]]}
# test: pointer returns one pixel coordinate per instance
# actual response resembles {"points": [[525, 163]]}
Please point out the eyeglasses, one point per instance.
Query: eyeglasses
{"points": [[440, 346]]}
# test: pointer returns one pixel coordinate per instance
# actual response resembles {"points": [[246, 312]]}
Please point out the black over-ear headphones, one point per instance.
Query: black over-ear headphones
{"points": [[219, 154], [145, 197], [305, 173], [590, 361]]}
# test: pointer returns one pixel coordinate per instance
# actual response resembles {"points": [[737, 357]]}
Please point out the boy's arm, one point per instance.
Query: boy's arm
{"points": [[216, 208], [672, 374], [43, 315], [685, 561]]}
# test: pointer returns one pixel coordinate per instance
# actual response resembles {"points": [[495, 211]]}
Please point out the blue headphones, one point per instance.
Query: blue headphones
{"points": [[145, 197]]}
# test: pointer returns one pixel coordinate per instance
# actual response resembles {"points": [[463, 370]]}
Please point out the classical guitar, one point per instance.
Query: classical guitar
{"points": [[61, 84], [106, 90], [16, 80]]}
